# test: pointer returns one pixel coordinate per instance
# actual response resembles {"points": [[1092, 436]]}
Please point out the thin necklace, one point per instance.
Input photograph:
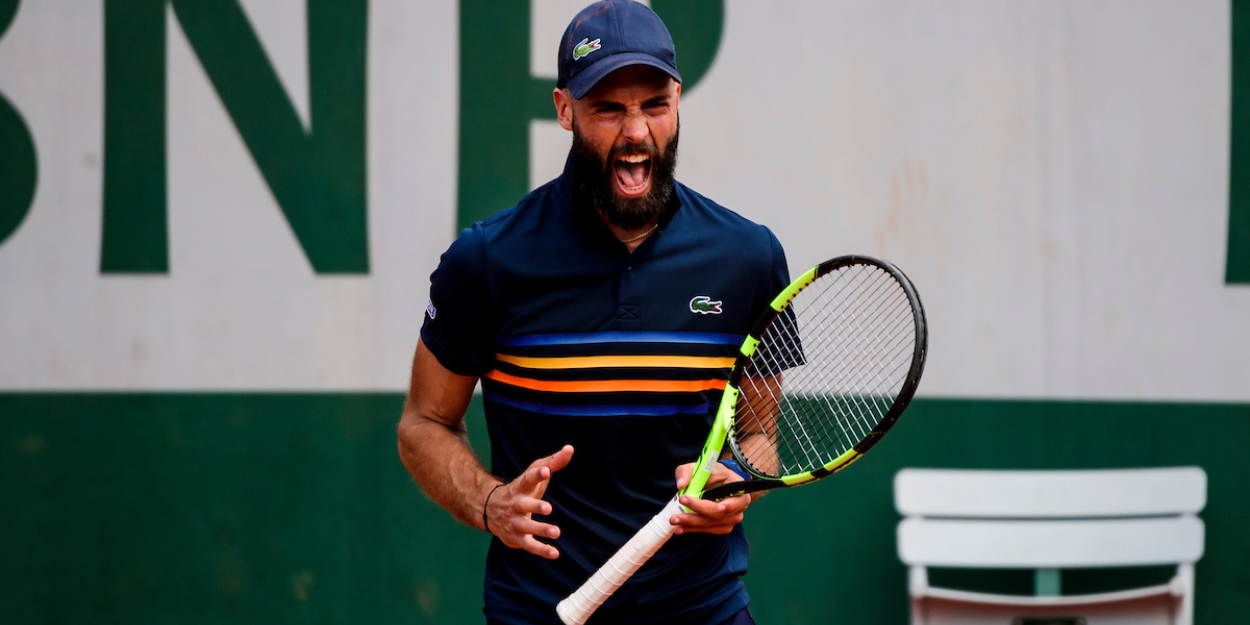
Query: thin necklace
{"points": [[641, 236]]}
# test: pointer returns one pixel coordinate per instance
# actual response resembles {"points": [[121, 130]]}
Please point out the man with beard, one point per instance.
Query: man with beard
{"points": [[601, 315]]}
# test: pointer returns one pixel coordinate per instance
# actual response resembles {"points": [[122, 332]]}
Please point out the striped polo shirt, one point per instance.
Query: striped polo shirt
{"points": [[624, 356]]}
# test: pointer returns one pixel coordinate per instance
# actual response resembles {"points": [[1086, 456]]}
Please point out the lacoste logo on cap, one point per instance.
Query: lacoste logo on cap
{"points": [[585, 47], [704, 305]]}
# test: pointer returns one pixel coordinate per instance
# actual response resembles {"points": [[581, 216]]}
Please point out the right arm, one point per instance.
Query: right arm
{"points": [[756, 423], [434, 447], [756, 430], [433, 442]]}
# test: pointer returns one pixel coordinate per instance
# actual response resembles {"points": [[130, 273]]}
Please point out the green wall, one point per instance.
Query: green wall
{"points": [[293, 508]]}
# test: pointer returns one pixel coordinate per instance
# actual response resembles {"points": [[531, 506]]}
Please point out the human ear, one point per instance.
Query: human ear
{"points": [[564, 107]]}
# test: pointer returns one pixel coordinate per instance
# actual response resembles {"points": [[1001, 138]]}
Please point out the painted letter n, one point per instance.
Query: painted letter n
{"points": [[317, 177]]}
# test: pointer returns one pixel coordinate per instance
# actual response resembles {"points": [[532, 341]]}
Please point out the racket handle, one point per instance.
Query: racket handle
{"points": [[578, 607]]}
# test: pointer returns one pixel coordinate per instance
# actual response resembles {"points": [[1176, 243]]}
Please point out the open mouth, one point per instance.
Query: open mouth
{"points": [[633, 174]]}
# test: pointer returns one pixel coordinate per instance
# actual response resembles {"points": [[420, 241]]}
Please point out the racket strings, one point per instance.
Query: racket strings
{"points": [[826, 372]]}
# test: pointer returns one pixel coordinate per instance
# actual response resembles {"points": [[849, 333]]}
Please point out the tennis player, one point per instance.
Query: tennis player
{"points": [[601, 315]]}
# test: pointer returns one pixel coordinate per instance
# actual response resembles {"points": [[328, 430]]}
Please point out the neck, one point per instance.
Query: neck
{"points": [[630, 238]]}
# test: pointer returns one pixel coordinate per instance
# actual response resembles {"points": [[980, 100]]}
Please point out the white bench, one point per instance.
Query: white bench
{"points": [[1046, 521]]}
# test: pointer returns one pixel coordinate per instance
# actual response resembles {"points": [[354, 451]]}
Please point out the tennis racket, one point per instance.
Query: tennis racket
{"points": [[822, 376]]}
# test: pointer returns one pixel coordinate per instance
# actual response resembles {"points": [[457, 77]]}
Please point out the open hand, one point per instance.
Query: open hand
{"points": [[510, 508]]}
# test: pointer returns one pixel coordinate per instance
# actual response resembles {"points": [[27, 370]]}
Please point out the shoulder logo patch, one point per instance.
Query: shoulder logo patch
{"points": [[704, 305], [430, 309], [585, 47]]}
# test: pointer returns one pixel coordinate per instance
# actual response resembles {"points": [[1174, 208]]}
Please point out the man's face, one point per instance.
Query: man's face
{"points": [[625, 144]]}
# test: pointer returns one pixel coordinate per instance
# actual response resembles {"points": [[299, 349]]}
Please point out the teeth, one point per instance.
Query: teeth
{"points": [[634, 158]]}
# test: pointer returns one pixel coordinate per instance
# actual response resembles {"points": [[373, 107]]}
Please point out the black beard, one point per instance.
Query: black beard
{"points": [[594, 181]]}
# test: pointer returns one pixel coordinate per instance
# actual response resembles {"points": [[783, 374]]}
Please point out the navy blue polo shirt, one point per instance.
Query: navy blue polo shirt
{"points": [[624, 356]]}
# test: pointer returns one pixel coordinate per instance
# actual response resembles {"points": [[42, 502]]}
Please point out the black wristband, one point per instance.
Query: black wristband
{"points": [[485, 522]]}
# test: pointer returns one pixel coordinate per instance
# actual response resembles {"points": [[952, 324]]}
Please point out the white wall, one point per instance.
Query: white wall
{"points": [[1052, 175]]}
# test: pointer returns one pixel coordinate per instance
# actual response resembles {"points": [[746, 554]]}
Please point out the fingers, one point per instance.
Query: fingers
{"points": [[541, 550], [512, 508], [720, 475], [521, 535], [534, 479], [683, 474], [532, 505], [560, 459], [511, 519], [712, 517]]}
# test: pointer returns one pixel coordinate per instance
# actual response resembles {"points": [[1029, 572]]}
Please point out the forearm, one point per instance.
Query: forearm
{"points": [[757, 422], [434, 447], [758, 450], [443, 464]]}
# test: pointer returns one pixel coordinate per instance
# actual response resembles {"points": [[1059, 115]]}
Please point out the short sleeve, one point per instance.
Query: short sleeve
{"points": [[779, 272], [459, 326], [773, 278], [781, 346]]}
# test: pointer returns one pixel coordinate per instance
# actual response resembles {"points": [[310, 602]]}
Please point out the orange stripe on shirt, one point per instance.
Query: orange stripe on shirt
{"points": [[608, 386], [595, 362]]}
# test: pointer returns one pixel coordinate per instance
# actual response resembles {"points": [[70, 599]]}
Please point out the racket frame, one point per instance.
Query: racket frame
{"points": [[723, 423], [578, 606]]}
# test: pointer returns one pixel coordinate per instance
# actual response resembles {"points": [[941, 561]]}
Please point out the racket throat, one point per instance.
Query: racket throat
{"points": [[715, 443]]}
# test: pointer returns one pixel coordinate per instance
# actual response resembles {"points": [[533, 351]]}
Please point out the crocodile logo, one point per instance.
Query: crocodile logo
{"points": [[585, 47], [704, 305]]}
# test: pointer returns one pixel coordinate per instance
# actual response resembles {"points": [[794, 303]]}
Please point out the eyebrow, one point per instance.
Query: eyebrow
{"points": [[607, 105]]}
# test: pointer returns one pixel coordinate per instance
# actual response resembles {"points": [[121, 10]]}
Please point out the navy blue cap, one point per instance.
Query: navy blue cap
{"points": [[609, 35]]}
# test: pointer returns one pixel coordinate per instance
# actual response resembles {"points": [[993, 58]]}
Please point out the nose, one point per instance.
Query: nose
{"points": [[635, 129]]}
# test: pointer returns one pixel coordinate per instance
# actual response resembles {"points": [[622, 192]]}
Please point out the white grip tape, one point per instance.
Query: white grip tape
{"points": [[578, 607]]}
